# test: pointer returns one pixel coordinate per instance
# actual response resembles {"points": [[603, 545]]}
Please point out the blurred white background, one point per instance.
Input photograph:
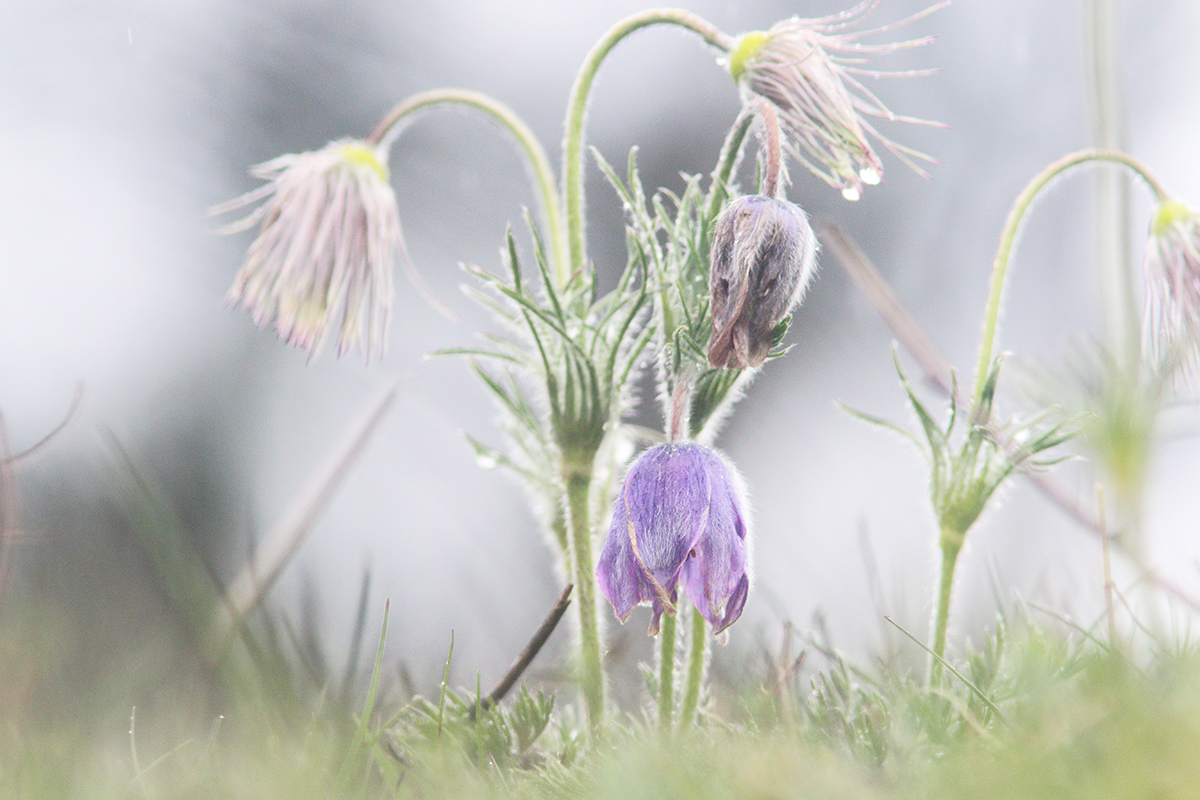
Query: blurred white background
{"points": [[123, 121]]}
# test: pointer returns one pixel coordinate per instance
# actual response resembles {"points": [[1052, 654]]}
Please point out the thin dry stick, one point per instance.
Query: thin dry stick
{"points": [[937, 367], [531, 650], [76, 399], [921, 347], [284, 538], [871, 283]]}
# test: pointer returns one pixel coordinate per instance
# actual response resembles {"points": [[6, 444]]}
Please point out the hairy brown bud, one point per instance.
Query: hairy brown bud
{"points": [[763, 254]]}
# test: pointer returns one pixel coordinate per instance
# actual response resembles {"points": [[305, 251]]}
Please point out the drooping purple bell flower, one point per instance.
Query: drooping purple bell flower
{"points": [[679, 517]]}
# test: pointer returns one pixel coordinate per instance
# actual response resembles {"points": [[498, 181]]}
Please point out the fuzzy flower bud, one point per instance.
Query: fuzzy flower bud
{"points": [[763, 256], [679, 517], [329, 233], [807, 69], [1172, 267]]}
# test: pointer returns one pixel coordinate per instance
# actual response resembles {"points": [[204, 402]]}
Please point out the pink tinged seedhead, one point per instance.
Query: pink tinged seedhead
{"points": [[1172, 273], [328, 235], [679, 516], [807, 69], [763, 257]]}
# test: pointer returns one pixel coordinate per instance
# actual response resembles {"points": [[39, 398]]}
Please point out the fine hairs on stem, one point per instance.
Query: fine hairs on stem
{"points": [[951, 539], [573, 189], [1009, 235], [578, 482], [541, 172], [771, 150]]}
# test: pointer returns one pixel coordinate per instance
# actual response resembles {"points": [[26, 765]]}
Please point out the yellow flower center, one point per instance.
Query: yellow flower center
{"points": [[747, 48], [1170, 212], [361, 155]]}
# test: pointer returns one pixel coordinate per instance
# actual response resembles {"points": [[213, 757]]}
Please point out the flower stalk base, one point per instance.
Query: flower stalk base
{"points": [[951, 547], [591, 675]]}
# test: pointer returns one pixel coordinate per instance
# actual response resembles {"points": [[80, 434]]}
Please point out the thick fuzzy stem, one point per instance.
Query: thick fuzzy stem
{"points": [[941, 616], [591, 674], [666, 677], [697, 656]]}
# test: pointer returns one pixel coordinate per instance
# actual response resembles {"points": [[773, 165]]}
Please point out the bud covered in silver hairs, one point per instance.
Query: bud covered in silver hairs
{"points": [[763, 257]]}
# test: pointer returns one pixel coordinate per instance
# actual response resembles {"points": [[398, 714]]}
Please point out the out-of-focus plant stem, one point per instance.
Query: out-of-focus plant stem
{"points": [[1117, 267]]}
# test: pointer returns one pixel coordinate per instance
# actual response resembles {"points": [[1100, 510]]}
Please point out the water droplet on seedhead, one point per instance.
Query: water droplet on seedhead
{"points": [[869, 175], [851, 193]]}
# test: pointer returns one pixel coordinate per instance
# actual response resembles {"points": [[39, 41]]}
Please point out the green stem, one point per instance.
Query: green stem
{"points": [[697, 655], [718, 190], [951, 546], [666, 676], [1118, 270], [539, 165], [591, 674], [730, 153], [1009, 235], [577, 109], [558, 527]]}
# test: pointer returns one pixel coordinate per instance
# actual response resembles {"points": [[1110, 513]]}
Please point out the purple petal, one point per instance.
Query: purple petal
{"points": [[733, 606], [679, 513]]}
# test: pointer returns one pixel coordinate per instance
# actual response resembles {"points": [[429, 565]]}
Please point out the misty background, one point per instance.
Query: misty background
{"points": [[123, 122]]}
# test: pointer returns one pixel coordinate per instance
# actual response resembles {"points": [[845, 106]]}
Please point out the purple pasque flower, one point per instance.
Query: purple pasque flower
{"points": [[810, 69], [763, 254], [328, 237], [679, 517]]}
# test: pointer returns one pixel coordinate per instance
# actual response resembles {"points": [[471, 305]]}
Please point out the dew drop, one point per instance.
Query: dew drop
{"points": [[869, 175], [486, 460], [850, 193]]}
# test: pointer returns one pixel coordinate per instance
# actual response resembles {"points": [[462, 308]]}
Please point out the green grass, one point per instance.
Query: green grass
{"points": [[1047, 714]]}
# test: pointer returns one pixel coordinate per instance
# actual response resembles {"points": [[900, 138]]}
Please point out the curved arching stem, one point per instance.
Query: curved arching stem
{"points": [[577, 108], [539, 165], [1009, 235]]}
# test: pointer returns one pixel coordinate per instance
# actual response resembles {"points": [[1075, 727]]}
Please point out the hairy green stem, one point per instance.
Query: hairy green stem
{"points": [[731, 153], [951, 547], [539, 165], [718, 191], [666, 676], [577, 109], [591, 674], [1009, 235], [697, 655], [558, 527]]}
